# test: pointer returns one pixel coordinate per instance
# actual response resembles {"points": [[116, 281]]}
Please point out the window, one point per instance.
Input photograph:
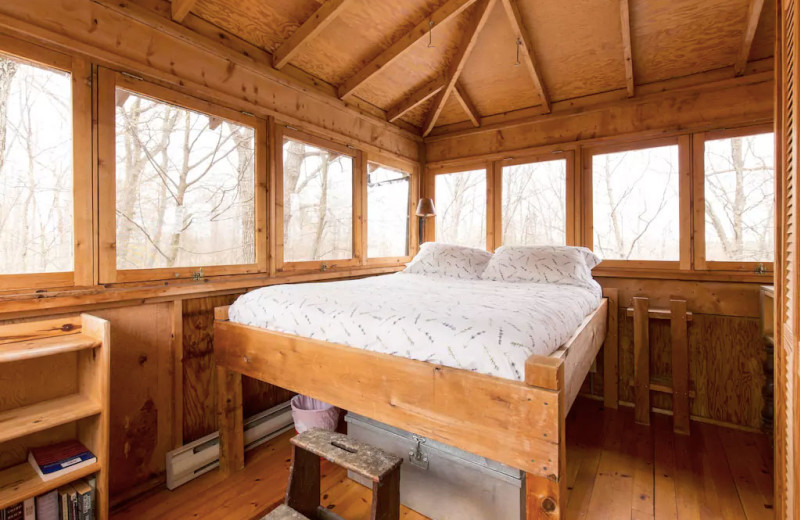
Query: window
{"points": [[534, 203], [740, 198], [461, 208], [317, 202], [636, 213], [36, 165], [388, 195], [185, 187]]}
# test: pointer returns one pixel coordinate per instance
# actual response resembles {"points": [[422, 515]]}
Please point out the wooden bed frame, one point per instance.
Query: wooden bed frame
{"points": [[520, 424]]}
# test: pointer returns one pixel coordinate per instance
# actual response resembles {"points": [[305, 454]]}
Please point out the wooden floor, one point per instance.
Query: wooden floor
{"points": [[616, 470]]}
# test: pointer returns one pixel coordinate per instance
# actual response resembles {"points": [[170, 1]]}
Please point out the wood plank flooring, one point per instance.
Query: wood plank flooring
{"points": [[616, 469]]}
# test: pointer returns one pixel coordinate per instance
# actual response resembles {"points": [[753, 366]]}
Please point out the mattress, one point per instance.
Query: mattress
{"points": [[484, 326]]}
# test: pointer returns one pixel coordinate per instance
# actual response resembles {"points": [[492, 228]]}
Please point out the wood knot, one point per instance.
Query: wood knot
{"points": [[548, 505], [246, 359]]}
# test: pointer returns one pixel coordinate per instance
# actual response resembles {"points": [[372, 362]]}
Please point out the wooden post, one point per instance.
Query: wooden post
{"points": [[229, 418], [546, 495], [680, 366], [641, 359], [611, 352]]}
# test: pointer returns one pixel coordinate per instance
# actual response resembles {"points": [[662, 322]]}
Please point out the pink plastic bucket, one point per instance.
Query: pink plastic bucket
{"points": [[309, 413]]}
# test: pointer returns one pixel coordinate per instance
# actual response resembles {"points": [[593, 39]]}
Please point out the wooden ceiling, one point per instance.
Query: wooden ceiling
{"points": [[433, 63]]}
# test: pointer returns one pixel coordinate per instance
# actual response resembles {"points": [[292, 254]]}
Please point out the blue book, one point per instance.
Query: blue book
{"points": [[59, 459]]}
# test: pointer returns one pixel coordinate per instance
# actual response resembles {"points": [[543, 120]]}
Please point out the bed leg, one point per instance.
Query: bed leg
{"points": [[545, 497], [611, 351], [229, 419], [546, 493]]}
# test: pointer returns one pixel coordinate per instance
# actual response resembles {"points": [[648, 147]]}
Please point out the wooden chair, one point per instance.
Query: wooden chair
{"points": [[303, 493]]}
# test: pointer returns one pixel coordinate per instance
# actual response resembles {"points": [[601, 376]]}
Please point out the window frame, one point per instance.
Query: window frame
{"points": [[571, 217], [698, 194], [684, 262], [489, 168], [279, 266], [108, 82], [80, 70], [413, 198]]}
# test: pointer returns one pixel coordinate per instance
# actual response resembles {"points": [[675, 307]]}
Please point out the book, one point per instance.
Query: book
{"points": [[29, 507], [85, 500], [14, 512], [59, 459], [47, 506], [63, 503], [73, 502]]}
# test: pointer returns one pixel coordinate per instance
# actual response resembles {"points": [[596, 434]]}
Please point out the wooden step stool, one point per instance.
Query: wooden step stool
{"points": [[303, 493]]}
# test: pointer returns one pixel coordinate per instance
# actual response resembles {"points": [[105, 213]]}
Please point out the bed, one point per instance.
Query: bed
{"points": [[495, 374]]}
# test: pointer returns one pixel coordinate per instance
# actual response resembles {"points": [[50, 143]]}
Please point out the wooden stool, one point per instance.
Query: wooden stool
{"points": [[302, 495]]}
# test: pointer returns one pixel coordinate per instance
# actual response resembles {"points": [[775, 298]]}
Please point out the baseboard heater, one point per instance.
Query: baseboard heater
{"points": [[201, 456]]}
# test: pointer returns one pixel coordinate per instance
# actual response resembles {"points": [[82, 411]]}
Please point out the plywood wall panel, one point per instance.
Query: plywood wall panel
{"points": [[491, 76], [578, 45], [141, 394], [265, 24], [363, 30], [673, 38], [199, 372], [417, 66], [726, 352]]}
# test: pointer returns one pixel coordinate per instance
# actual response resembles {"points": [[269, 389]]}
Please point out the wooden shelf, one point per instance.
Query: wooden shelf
{"points": [[47, 414], [21, 482], [46, 347]]}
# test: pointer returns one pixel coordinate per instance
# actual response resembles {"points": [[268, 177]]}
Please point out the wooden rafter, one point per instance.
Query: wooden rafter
{"points": [[753, 15], [482, 10], [466, 103], [310, 29], [180, 8], [444, 13], [625, 19], [414, 100], [528, 56]]}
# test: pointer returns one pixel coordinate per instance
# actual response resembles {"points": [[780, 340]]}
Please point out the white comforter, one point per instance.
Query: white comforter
{"points": [[484, 326]]}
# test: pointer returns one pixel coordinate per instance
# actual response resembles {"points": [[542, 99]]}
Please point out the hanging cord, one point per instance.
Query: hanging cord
{"points": [[519, 44], [430, 35]]}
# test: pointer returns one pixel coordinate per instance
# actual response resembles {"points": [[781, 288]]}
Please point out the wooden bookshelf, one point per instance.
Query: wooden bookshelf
{"points": [[88, 339]]}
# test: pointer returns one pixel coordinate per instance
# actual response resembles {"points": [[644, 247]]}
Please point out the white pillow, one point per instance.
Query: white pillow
{"points": [[449, 260], [541, 264], [591, 258]]}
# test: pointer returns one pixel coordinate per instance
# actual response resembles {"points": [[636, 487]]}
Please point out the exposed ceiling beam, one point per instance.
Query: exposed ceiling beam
{"points": [[414, 100], [180, 8], [444, 13], [753, 15], [482, 10], [625, 19], [466, 103], [528, 56], [310, 29]]}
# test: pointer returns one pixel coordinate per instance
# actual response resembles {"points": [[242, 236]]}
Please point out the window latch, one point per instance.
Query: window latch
{"points": [[197, 276], [760, 269], [324, 267]]}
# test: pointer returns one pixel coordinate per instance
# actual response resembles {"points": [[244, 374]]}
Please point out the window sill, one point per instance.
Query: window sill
{"points": [[33, 302], [676, 274]]}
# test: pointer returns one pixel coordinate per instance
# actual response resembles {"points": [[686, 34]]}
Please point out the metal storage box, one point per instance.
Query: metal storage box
{"points": [[443, 482]]}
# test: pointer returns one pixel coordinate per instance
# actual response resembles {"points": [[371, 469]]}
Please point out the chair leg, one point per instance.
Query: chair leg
{"points": [[302, 495], [386, 497]]}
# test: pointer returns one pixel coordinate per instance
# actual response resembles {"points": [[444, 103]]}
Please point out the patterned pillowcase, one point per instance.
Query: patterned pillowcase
{"points": [[541, 264], [449, 260], [592, 260]]}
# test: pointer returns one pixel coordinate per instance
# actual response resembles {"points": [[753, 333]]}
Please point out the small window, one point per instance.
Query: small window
{"points": [[317, 203], [388, 194], [184, 187], [740, 198], [636, 210], [36, 157], [535, 203], [461, 208]]}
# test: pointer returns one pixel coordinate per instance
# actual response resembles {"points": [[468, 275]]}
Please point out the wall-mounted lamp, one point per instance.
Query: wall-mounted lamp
{"points": [[425, 208]]}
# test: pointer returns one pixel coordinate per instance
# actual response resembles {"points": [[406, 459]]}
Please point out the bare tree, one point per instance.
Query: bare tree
{"points": [[461, 208], [739, 178]]}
